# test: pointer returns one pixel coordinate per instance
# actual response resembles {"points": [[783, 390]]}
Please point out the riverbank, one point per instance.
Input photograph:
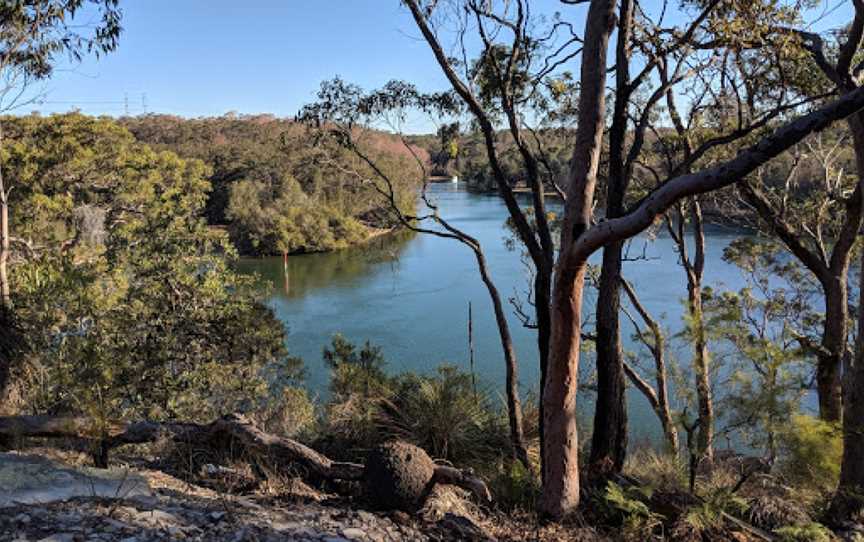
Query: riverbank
{"points": [[164, 507]]}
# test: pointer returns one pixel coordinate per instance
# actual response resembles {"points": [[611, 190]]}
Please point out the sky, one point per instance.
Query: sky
{"points": [[209, 57], [202, 58]]}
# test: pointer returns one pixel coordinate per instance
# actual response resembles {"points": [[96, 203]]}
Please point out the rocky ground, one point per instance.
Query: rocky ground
{"points": [[50, 501]]}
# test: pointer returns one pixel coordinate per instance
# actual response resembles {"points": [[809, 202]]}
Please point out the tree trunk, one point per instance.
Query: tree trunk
{"points": [[701, 364], [514, 405], [659, 397], [833, 348], [542, 304], [848, 500], [5, 290], [701, 359], [835, 333], [609, 438], [560, 496]]}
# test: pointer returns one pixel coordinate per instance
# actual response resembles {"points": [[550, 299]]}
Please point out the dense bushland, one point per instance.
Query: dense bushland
{"points": [[123, 298], [276, 188]]}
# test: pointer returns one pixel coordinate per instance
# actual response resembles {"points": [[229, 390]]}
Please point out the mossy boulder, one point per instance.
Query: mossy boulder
{"points": [[397, 476]]}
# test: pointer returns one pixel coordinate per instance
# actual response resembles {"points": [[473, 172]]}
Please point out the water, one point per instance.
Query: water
{"points": [[410, 293]]}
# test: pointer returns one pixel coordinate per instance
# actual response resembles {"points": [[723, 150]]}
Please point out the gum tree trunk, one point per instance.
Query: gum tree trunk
{"points": [[560, 495], [609, 439], [848, 500]]}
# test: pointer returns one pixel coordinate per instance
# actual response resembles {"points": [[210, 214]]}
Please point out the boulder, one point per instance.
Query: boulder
{"points": [[397, 476]]}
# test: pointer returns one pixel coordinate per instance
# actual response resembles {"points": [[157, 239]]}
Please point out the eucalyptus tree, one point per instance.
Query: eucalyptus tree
{"points": [[821, 236], [33, 37], [581, 236], [848, 502]]}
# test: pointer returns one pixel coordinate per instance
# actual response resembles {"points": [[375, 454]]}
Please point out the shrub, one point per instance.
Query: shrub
{"points": [[811, 450], [627, 508], [514, 488], [292, 414], [443, 415], [811, 532]]}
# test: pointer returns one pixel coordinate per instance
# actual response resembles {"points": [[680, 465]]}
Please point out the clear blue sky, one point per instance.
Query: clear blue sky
{"points": [[208, 57]]}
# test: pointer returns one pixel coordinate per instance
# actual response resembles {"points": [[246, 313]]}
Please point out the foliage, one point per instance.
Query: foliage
{"points": [[627, 507], [811, 532], [291, 414], [811, 450], [354, 372], [443, 415], [126, 298], [765, 323], [34, 33], [514, 487], [276, 187], [441, 412], [708, 515]]}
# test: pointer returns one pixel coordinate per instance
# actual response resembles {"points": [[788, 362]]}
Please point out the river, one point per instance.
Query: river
{"points": [[409, 294]]}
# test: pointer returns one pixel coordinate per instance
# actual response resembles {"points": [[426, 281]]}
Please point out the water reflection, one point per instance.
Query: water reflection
{"points": [[297, 275]]}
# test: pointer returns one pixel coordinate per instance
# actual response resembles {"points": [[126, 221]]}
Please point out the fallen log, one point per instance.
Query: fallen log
{"points": [[109, 435], [113, 434]]}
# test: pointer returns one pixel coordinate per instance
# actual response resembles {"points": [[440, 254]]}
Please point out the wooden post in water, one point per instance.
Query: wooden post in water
{"points": [[285, 271], [471, 349]]}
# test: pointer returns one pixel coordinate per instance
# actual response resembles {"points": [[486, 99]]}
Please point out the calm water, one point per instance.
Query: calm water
{"points": [[410, 294]]}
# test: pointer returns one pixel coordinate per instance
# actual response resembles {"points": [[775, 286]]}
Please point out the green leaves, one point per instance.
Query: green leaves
{"points": [[127, 298]]}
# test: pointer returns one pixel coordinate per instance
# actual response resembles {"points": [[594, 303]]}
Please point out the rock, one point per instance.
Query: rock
{"points": [[216, 517], [157, 516], [463, 528], [35, 479], [352, 533], [59, 537], [397, 476]]}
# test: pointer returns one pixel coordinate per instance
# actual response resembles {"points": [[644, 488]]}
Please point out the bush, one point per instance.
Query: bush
{"points": [[443, 415], [628, 508], [811, 532], [514, 488], [292, 414], [811, 450]]}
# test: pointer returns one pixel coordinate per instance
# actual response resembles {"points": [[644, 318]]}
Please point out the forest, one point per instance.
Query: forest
{"points": [[131, 339]]}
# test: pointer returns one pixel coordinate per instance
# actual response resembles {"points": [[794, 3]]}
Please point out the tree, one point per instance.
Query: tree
{"points": [[580, 236], [762, 322], [848, 501], [126, 298], [830, 267], [32, 37]]}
